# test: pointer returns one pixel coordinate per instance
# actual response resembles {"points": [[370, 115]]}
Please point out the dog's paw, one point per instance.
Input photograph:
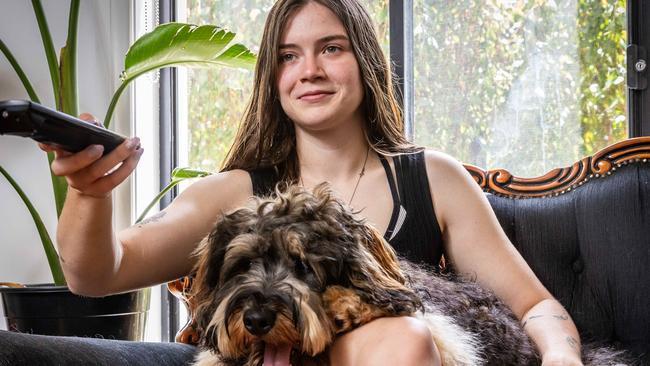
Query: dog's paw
{"points": [[346, 310]]}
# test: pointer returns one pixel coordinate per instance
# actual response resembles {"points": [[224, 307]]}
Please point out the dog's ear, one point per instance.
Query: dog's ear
{"points": [[212, 250], [373, 271], [382, 252], [211, 253]]}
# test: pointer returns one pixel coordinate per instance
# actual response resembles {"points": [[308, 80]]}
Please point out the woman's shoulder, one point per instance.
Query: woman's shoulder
{"points": [[235, 177], [444, 171], [440, 162], [223, 189]]}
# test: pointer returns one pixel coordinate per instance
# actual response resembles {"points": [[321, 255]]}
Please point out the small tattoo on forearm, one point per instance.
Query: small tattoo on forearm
{"points": [[531, 318], [572, 342], [151, 219], [558, 317]]}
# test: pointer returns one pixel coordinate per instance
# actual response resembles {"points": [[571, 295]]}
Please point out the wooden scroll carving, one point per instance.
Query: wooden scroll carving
{"points": [[561, 180]]}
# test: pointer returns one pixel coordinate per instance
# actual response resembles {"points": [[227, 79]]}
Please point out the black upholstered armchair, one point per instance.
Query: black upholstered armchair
{"points": [[585, 231]]}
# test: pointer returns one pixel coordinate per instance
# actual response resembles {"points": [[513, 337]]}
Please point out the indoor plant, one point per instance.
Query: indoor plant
{"points": [[167, 45]]}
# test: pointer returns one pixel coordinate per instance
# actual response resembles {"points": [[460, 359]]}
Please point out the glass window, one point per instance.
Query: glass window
{"points": [[523, 85]]}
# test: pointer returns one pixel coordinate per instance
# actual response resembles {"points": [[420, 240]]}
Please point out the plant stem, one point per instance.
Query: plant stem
{"points": [[68, 66], [48, 246], [59, 186], [19, 71], [48, 46], [178, 175], [157, 198], [114, 100]]}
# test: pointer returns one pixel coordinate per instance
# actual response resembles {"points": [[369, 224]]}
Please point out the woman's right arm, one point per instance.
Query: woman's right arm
{"points": [[96, 260]]}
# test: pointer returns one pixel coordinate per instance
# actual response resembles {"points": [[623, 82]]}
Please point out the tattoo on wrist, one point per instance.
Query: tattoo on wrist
{"points": [[151, 219], [573, 343]]}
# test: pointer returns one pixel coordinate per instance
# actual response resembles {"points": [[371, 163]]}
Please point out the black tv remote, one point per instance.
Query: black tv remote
{"points": [[29, 119]]}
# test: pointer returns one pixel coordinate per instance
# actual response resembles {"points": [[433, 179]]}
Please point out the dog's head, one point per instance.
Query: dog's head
{"points": [[262, 270]]}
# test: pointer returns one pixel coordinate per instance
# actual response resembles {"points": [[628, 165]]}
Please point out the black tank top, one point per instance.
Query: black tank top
{"points": [[413, 230]]}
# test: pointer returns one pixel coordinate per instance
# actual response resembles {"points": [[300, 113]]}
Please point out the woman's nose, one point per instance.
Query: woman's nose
{"points": [[311, 69]]}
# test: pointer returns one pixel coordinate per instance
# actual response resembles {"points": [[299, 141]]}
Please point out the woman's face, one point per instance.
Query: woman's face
{"points": [[318, 79]]}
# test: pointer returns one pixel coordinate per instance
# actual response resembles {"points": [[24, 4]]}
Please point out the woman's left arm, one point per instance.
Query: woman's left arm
{"points": [[476, 245]]}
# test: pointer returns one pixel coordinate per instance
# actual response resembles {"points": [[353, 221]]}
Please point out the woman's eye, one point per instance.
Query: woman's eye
{"points": [[286, 57], [332, 49]]}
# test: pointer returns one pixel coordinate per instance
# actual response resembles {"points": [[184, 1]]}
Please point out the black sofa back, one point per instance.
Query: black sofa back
{"points": [[587, 239]]}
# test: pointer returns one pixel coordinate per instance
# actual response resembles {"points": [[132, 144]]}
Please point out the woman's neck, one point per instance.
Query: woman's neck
{"points": [[333, 156]]}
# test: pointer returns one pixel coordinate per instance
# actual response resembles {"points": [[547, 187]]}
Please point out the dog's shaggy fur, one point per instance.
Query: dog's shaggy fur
{"points": [[301, 268]]}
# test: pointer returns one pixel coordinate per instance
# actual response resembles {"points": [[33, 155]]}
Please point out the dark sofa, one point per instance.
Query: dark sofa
{"points": [[585, 231]]}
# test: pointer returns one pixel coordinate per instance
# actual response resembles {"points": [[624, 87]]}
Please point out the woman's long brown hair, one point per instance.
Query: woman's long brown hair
{"points": [[266, 136]]}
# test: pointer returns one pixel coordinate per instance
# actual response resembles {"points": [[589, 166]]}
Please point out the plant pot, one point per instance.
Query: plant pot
{"points": [[54, 310]]}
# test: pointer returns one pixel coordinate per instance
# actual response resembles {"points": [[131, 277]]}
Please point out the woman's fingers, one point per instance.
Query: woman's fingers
{"points": [[67, 164], [87, 178], [90, 171], [103, 186], [51, 148], [90, 118]]}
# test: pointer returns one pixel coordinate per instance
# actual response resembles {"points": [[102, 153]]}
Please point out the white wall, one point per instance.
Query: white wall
{"points": [[104, 29]]}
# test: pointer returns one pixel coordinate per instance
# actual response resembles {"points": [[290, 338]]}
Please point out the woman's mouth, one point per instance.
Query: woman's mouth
{"points": [[315, 96]]}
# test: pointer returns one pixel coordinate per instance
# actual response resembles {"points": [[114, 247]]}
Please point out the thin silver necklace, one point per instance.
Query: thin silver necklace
{"points": [[361, 173]]}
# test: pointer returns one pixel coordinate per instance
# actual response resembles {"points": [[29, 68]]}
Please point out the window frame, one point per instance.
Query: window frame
{"points": [[638, 100]]}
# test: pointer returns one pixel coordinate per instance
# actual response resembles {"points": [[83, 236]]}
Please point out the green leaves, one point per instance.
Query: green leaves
{"points": [[48, 245], [186, 45], [179, 44]]}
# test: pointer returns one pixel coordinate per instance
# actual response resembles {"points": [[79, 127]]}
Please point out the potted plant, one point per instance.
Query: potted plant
{"points": [[170, 44]]}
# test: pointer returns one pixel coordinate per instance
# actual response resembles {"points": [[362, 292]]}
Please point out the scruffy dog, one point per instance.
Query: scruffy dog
{"points": [[276, 282]]}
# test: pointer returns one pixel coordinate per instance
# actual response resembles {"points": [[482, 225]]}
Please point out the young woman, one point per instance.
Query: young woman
{"points": [[323, 109]]}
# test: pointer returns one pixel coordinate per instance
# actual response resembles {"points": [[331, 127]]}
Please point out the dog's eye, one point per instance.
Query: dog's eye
{"points": [[240, 266], [301, 267]]}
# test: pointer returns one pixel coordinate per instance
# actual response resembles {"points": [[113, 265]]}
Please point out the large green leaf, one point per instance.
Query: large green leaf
{"points": [[186, 45], [179, 44]]}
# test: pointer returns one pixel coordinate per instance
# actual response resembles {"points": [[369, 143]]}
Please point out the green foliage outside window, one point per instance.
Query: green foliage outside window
{"points": [[523, 85]]}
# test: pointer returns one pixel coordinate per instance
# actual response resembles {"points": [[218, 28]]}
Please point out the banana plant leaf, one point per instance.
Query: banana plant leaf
{"points": [[179, 44]]}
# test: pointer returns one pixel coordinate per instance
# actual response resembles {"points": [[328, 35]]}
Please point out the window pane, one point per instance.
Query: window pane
{"points": [[523, 85], [216, 98]]}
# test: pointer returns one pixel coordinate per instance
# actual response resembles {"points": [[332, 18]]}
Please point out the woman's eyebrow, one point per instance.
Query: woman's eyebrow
{"points": [[334, 37]]}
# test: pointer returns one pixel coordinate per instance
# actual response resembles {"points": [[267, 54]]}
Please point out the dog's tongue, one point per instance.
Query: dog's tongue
{"points": [[277, 355]]}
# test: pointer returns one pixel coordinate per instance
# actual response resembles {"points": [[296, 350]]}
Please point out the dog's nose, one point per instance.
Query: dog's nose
{"points": [[259, 321]]}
